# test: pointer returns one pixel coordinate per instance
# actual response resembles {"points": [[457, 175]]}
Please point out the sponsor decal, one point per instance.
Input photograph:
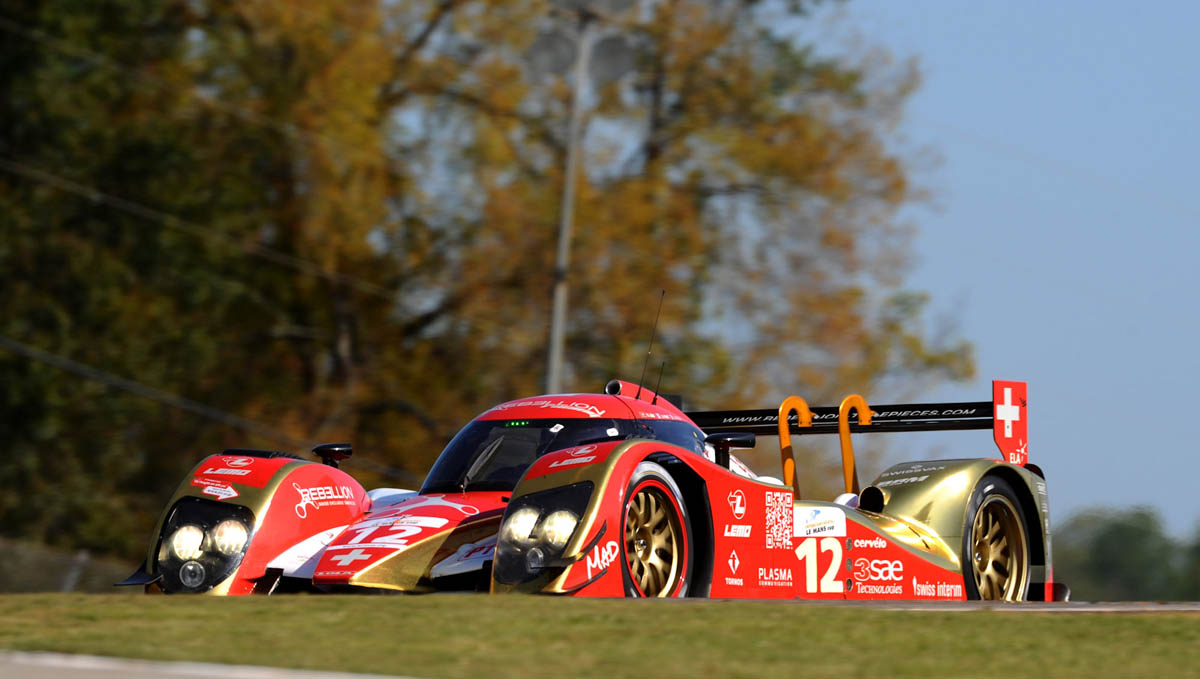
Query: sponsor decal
{"points": [[863, 543], [913, 469], [578, 455], [901, 482], [869, 588], [438, 501], [222, 471], [779, 509], [774, 577], [585, 408], [350, 557], [237, 461], [733, 561], [823, 521], [660, 416], [734, 582], [937, 589], [602, 557], [737, 503], [399, 530], [322, 496], [218, 489], [878, 569], [735, 530]]}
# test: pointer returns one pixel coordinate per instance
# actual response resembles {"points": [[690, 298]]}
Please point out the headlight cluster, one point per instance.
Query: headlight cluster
{"points": [[536, 530], [202, 544]]}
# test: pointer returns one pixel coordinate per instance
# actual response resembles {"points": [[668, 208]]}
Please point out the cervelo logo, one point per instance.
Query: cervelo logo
{"points": [[576, 456], [238, 461], [937, 589], [737, 503], [602, 557], [878, 569], [873, 543], [585, 408], [326, 495]]}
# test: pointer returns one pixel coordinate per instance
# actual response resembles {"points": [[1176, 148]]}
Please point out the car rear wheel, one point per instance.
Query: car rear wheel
{"points": [[657, 544], [995, 543]]}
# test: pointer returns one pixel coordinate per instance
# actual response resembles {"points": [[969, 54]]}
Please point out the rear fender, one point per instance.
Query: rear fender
{"points": [[932, 496]]}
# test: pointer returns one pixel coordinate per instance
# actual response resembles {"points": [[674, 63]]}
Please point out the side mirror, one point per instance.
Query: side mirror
{"points": [[723, 442], [333, 453]]}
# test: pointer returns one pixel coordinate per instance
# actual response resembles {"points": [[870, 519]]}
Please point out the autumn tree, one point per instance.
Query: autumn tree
{"points": [[337, 221]]}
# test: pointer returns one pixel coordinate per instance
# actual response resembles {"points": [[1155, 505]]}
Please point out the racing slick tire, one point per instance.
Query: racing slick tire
{"points": [[656, 549], [995, 543]]}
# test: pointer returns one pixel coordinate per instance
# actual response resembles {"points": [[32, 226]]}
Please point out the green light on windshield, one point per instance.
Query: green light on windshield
{"points": [[517, 423]]}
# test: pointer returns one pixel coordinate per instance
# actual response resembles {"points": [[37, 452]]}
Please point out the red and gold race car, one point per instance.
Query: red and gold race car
{"points": [[623, 494]]}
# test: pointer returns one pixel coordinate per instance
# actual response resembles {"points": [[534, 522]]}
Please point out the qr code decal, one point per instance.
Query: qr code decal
{"points": [[779, 520]]}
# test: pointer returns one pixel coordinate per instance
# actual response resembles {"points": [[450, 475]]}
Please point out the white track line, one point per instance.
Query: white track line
{"points": [[39, 664]]}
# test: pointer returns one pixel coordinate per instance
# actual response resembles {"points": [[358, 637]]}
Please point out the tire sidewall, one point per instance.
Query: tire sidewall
{"points": [[988, 486], [653, 472]]}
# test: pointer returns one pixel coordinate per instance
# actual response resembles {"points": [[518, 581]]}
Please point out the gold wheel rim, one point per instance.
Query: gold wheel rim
{"points": [[652, 533], [999, 557]]}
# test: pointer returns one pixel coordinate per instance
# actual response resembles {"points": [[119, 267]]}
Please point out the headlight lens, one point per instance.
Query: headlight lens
{"points": [[229, 537], [558, 527], [519, 527], [187, 542], [536, 531]]}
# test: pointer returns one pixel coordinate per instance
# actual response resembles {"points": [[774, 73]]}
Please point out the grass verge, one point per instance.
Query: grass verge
{"points": [[518, 636]]}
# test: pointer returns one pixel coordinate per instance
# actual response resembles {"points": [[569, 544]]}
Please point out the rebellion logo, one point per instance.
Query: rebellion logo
{"points": [[602, 557], [737, 503], [322, 496]]}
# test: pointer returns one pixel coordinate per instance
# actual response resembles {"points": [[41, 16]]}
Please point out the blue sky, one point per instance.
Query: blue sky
{"points": [[1064, 235]]}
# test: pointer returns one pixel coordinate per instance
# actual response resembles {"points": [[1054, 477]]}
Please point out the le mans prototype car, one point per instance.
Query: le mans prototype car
{"points": [[624, 494]]}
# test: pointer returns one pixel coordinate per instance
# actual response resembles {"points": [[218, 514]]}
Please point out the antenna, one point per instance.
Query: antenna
{"points": [[659, 383], [650, 348]]}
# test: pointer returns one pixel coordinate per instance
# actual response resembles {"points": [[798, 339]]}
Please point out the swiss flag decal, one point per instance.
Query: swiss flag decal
{"points": [[1010, 421]]}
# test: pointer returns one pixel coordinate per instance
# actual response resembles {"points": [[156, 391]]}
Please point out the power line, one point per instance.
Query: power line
{"points": [[68, 48], [188, 405], [170, 221]]}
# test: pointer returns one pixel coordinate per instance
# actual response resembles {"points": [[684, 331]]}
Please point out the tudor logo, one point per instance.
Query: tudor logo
{"points": [[737, 503], [878, 569], [602, 557], [238, 461]]}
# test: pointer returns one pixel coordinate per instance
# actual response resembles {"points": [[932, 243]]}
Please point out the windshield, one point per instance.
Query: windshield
{"points": [[493, 454]]}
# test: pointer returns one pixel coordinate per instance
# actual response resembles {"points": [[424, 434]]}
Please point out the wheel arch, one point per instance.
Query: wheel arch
{"points": [[1033, 522], [695, 498]]}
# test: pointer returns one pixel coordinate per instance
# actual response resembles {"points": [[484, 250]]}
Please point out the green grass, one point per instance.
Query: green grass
{"points": [[519, 636]]}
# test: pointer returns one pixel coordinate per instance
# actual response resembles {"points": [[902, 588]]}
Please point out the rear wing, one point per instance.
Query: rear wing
{"points": [[1005, 415]]}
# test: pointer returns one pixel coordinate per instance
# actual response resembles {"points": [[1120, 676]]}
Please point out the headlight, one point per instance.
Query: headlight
{"points": [[536, 531], [187, 542], [519, 527], [229, 537], [557, 528], [202, 544]]}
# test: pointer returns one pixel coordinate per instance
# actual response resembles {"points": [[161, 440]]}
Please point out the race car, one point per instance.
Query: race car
{"points": [[622, 493]]}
